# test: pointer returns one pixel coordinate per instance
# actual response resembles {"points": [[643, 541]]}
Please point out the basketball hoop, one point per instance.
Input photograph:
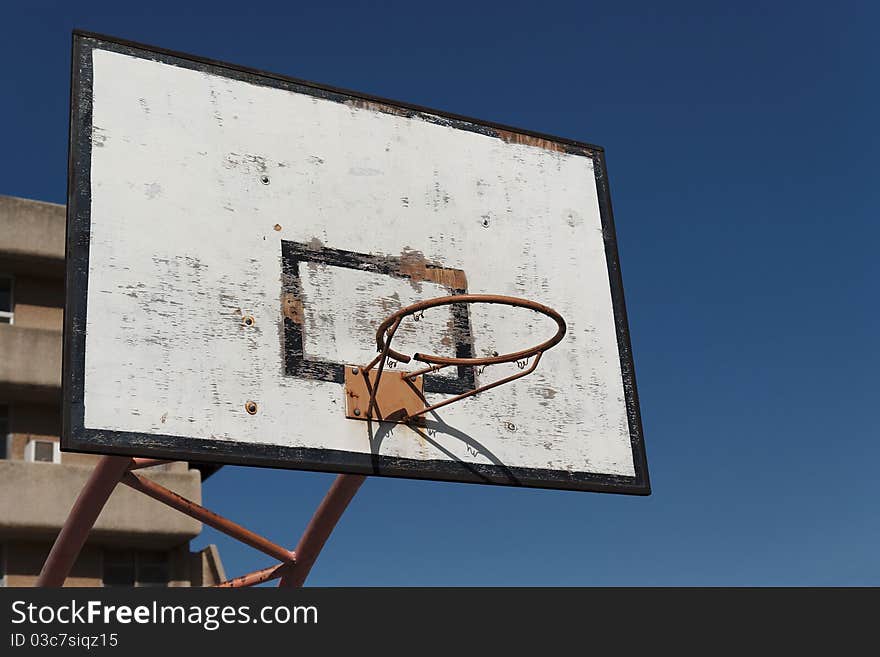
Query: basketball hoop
{"points": [[402, 392]]}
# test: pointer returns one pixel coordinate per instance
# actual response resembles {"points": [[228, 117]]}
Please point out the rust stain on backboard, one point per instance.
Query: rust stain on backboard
{"points": [[315, 244], [509, 136], [292, 307], [414, 265], [527, 140], [372, 105]]}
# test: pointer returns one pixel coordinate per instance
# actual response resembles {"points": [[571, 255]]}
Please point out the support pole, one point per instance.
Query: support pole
{"points": [[321, 526], [197, 511], [81, 519], [256, 577]]}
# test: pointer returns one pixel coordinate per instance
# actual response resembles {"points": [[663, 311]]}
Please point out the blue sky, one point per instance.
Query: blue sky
{"points": [[742, 151]]}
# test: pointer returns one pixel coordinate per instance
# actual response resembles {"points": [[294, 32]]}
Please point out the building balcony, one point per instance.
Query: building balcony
{"points": [[31, 362], [35, 499], [32, 236]]}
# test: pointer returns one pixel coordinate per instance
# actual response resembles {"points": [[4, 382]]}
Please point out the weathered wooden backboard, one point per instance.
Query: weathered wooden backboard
{"points": [[235, 237]]}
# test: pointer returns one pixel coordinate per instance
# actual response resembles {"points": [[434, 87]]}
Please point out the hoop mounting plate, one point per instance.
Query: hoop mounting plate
{"points": [[397, 398]]}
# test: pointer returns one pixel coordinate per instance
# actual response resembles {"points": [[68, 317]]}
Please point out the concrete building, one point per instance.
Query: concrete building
{"points": [[136, 540]]}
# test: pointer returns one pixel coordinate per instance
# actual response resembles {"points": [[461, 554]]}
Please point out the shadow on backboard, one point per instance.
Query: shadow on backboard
{"points": [[428, 430]]}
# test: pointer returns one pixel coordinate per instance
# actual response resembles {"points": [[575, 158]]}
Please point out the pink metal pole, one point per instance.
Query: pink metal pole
{"points": [[215, 520], [81, 519], [321, 526], [256, 577]]}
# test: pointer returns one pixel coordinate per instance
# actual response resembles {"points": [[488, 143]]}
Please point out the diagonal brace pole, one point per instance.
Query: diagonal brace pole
{"points": [[321, 526], [256, 577], [200, 513], [81, 519]]}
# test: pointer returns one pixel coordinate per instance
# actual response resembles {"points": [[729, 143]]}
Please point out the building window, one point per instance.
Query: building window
{"points": [[6, 306], [129, 568], [118, 568], [4, 431], [42, 451], [152, 569]]}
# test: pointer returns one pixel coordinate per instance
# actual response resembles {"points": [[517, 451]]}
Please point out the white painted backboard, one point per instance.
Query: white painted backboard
{"points": [[203, 193]]}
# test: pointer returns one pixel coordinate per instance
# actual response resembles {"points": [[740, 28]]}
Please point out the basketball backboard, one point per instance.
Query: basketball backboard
{"points": [[236, 237]]}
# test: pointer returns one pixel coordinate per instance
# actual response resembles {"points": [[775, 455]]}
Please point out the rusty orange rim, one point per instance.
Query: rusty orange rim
{"points": [[386, 330]]}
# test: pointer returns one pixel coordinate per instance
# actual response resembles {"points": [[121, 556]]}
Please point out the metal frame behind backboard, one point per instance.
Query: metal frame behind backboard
{"points": [[76, 437]]}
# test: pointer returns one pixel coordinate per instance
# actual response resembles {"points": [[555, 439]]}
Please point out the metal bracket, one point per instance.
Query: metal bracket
{"points": [[397, 397]]}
